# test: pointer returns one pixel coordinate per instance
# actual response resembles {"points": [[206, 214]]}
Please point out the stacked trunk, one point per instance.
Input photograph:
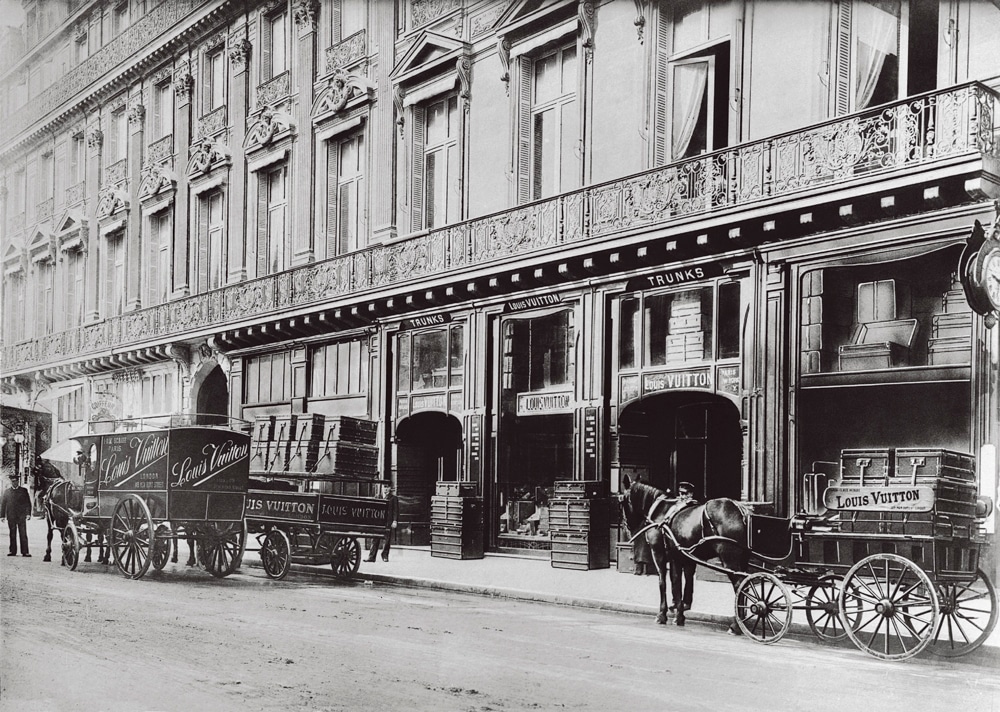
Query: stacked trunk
{"points": [[347, 447], [580, 525], [456, 521]]}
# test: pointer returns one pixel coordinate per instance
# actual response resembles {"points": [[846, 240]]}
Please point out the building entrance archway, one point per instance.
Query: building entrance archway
{"points": [[428, 450], [212, 398], [683, 437]]}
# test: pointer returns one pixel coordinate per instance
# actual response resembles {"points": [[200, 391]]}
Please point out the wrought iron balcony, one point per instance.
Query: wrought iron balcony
{"points": [[930, 132]]}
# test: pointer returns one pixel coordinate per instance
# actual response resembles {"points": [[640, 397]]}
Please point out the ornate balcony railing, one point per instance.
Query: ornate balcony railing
{"points": [[76, 193], [44, 209], [274, 89], [211, 123], [116, 172], [161, 149], [921, 131], [345, 52]]}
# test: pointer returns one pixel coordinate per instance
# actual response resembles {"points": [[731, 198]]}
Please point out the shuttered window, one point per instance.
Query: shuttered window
{"points": [[214, 81], [75, 265], [346, 215], [274, 46], [158, 258], [272, 220], [442, 192], [211, 241], [267, 378], [44, 306], [549, 158], [113, 292], [339, 369], [163, 110], [867, 53]]}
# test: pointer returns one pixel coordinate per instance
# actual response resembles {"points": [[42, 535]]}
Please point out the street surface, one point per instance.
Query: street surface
{"points": [[180, 640]]}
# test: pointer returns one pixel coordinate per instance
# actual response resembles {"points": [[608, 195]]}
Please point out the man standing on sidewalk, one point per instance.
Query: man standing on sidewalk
{"points": [[15, 507], [392, 514]]}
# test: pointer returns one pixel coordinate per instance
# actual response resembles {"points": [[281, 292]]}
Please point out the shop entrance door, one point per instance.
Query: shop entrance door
{"points": [[213, 399], [683, 437], [428, 450]]}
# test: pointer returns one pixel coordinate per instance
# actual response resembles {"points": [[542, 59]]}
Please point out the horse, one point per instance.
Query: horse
{"points": [[716, 528], [61, 499]]}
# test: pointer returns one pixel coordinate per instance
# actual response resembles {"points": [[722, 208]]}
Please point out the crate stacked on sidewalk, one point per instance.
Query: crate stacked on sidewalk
{"points": [[580, 525], [456, 521], [347, 447], [952, 475]]}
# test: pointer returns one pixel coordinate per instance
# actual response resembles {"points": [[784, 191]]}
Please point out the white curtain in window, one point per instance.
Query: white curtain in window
{"points": [[690, 83], [877, 30]]}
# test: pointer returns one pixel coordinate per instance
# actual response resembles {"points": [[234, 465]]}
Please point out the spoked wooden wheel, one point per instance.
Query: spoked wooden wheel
{"points": [[889, 607], [161, 546], [276, 554], [132, 536], [346, 557], [763, 607], [968, 616], [823, 608], [220, 547], [70, 546]]}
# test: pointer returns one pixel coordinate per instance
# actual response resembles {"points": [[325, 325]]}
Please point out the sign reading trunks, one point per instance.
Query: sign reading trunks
{"points": [[674, 277]]}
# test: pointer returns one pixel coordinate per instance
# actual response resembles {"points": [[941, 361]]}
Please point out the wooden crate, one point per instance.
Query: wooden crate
{"points": [[348, 459], [307, 427], [355, 430], [456, 542], [579, 489], [456, 489]]}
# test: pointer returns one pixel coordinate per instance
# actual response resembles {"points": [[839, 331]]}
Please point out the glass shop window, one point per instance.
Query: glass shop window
{"points": [[538, 352], [678, 328], [430, 360]]}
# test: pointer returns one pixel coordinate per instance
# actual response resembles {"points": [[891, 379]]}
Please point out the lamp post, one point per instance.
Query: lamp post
{"points": [[18, 442]]}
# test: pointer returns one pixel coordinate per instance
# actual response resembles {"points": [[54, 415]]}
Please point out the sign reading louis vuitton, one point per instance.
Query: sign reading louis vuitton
{"points": [[544, 403], [700, 379], [675, 277], [543, 300]]}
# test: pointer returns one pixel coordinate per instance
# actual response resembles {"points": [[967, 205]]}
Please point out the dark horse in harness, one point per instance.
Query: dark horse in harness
{"points": [[716, 528]]}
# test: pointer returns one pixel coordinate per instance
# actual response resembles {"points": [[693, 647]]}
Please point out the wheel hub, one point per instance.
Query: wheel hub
{"points": [[886, 608], [758, 608]]}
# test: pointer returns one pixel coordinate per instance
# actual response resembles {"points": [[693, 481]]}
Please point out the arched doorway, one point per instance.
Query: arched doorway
{"points": [[428, 450], [683, 436], [212, 399]]}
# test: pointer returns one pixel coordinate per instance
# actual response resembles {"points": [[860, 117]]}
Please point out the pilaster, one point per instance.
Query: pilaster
{"points": [[183, 89], [383, 132], [239, 50], [133, 234], [303, 161], [95, 169]]}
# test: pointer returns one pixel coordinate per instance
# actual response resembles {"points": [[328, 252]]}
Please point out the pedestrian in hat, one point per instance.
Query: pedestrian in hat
{"points": [[392, 514], [15, 507]]}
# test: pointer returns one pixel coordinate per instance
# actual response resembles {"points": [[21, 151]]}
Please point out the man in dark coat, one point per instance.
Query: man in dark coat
{"points": [[392, 514], [15, 507], [682, 569]]}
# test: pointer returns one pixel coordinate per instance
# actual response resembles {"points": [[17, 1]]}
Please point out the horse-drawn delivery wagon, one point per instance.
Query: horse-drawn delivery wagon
{"points": [[314, 492], [890, 558], [146, 487]]}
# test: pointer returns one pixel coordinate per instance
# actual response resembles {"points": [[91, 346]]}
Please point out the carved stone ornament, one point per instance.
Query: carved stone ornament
{"points": [[269, 124], [588, 18], [183, 83], [640, 17], [154, 179], [503, 52], [398, 94], [340, 89], [136, 113], [239, 53], [306, 14], [207, 153], [463, 65], [110, 200], [95, 138], [423, 11]]}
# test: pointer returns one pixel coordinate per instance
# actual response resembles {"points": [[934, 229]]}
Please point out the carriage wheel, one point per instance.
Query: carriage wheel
{"points": [[889, 607], [276, 554], [968, 616], [70, 545], [324, 546], [161, 546], [763, 607], [132, 536], [823, 608], [346, 557], [220, 546]]}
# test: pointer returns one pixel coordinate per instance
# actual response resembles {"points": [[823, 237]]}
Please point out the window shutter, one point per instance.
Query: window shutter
{"points": [[419, 123], [842, 59], [337, 30], [332, 171], [661, 87], [151, 258], [206, 84], [344, 220], [109, 273], [265, 49], [262, 256], [204, 214], [524, 130]]}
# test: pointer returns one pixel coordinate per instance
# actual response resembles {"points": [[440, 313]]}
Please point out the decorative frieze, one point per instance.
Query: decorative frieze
{"points": [[424, 11], [161, 75], [214, 42], [239, 53], [274, 90], [212, 123], [484, 21], [347, 52]]}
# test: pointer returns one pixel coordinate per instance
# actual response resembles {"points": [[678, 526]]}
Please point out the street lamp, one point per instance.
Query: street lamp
{"points": [[18, 442]]}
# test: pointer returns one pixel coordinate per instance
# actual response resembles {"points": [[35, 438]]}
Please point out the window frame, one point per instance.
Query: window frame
{"points": [[214, 87], [339, 240]]}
